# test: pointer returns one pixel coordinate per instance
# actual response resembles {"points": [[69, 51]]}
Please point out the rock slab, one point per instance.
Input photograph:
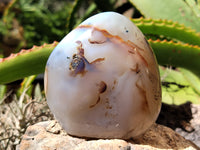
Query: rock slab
{"points": [[49, 135]]}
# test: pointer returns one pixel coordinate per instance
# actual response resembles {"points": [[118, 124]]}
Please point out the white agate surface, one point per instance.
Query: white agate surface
{"points": [[102, 79]]}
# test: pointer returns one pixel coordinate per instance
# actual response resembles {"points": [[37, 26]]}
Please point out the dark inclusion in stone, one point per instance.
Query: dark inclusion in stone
{"points": [[79, 64]]}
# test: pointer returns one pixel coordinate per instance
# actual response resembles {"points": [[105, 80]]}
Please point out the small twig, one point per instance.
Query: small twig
{"points": [[6, 96], [14, 114]]}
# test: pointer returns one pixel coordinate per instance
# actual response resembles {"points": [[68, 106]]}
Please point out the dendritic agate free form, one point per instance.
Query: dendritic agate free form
{"points": [[102, 79]]}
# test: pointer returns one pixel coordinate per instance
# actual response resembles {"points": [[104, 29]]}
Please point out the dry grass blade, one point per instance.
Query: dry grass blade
{"points": [[17, 115]]}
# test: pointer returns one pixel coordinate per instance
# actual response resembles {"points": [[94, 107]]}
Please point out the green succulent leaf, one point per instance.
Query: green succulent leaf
{"points": [[26, 84], [169, 29], [192, 79], [25, 63], [3, 90], [176, 89], [177, 54], [185, 12]]}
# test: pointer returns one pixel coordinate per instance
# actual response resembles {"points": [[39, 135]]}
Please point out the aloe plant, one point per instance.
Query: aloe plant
{"points": [[174, 39]]}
